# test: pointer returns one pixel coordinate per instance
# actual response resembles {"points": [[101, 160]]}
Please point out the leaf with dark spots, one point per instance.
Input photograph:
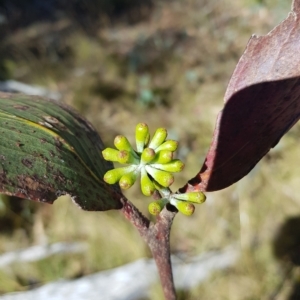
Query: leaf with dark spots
{"points": [[262, 103], [41, 158]]}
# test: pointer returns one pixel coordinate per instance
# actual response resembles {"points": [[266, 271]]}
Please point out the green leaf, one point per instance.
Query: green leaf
{"points": [[48, 150]]}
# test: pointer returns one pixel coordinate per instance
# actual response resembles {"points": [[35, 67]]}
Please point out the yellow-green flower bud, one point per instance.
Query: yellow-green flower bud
{"points": [[147, 156], [156, 207], [141, 135], [147, 140], [163, 157], [158, 138], [174, 166], [122, 143], [195, 197], [162, 177], [147, 185], [110, 154], [158, 186], [114, 175], [184, 207], [125, 157], [128, 179], [169, 145]]}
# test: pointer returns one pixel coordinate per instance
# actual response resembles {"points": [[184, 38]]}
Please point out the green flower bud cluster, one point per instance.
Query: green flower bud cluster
{"points": [[183, 202], [153, 159]]}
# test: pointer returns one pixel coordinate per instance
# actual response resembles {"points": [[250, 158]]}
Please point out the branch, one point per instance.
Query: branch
{"points": [[135, 217], [157, 236], [159, 243]]}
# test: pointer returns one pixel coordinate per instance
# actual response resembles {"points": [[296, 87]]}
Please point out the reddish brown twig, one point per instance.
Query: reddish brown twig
{"points": [[157, 236]]}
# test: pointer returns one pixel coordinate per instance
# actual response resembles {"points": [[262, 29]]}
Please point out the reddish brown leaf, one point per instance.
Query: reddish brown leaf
{"points": [[262, 103]]}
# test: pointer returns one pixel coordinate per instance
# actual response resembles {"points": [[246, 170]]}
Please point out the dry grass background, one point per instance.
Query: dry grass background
{"points": [[169, 70]]}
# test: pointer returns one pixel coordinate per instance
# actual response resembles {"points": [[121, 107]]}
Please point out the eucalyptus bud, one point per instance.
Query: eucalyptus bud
{"points": [[147, 186], [128, 179], [195, 197], [147, 140], [141, 136], [162, 177], [174, 166], [126, 157], [122, 143], [158, 138], [163, 157], [169, 145], [114, 175], [157, 206], [110, 154], [184, 207], [147, 156]]}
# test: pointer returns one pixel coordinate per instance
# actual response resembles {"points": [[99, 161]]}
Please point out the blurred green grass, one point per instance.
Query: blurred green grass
{"points": [[170, 70]]}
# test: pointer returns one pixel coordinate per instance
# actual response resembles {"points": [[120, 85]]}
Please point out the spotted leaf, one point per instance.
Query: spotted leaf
{"points": [[48, 150]]}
